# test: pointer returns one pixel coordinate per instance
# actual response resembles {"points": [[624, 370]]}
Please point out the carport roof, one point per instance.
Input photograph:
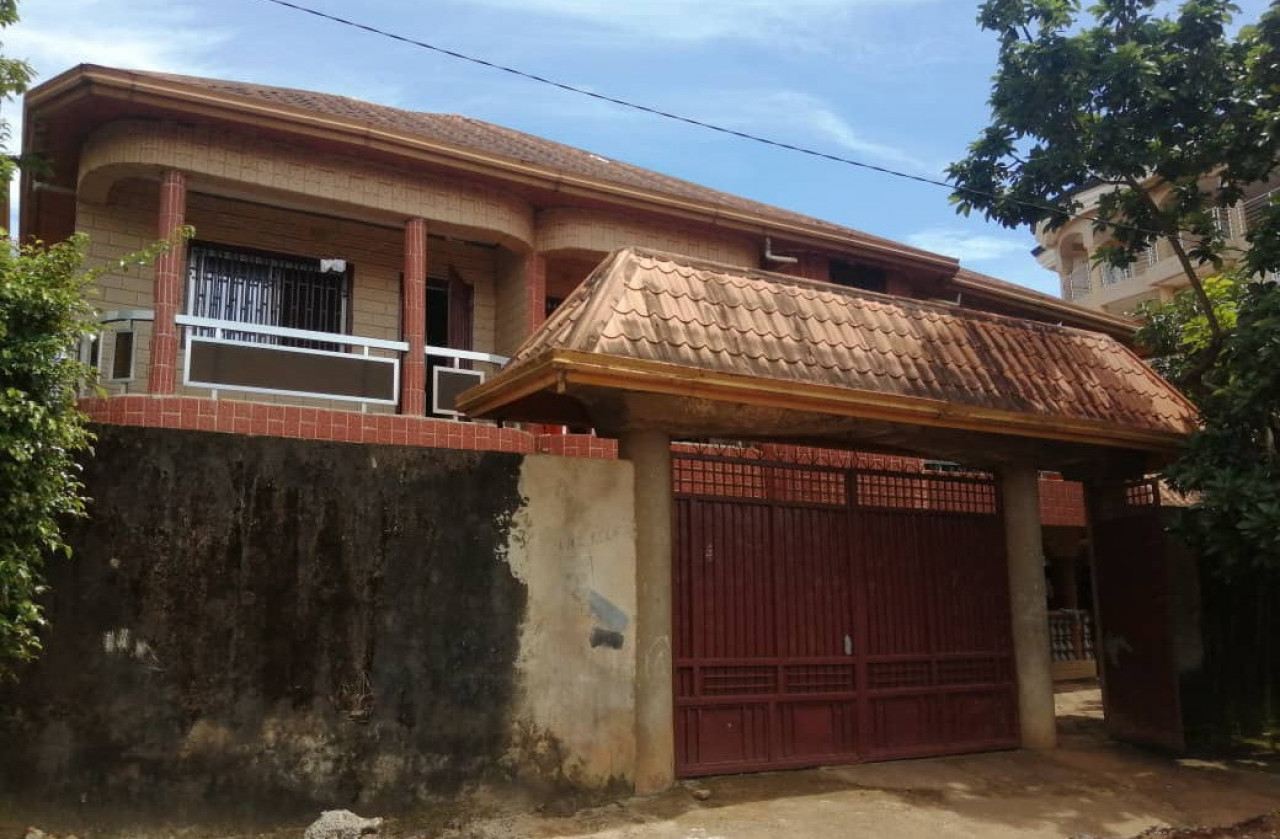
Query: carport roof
{"points": [[653, 322]]}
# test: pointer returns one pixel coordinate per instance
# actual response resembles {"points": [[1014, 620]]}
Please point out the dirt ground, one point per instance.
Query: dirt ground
{"points": [[1089, 788]]}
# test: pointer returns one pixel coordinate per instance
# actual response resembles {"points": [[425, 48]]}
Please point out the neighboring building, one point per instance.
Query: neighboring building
{"points": [[367, 622], [1156, 274]]}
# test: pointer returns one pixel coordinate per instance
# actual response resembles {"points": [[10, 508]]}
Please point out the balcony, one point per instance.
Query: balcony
{"points": [[224, 355]]}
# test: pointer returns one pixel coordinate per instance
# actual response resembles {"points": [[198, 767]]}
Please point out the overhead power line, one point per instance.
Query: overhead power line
{"points": [[709, 126]]}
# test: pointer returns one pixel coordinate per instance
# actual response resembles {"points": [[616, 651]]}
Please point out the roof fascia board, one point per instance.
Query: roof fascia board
{"points": [[563, 367]]}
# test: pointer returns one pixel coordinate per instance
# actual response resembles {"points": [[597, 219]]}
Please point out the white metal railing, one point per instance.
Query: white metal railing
{"points": [[1253, 208], [1230, 221], [213, 331], [450, 376], [1077, 284], [219, 326], [1114, 275]]}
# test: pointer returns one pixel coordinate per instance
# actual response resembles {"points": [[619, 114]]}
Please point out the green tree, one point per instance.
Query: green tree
{"points": [[44, 316], [1175, 113], [1230, 466]]}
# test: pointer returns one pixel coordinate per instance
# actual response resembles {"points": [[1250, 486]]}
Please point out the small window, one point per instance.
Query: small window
{"points": [[122, 357], [859, 275], [552, 303]]}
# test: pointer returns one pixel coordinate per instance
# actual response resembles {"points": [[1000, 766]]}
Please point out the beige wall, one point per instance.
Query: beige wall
{"points": [[600, 232], [573, 546], [127, 222], [232, 160]]}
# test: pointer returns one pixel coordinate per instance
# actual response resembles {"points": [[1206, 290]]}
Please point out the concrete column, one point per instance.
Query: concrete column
{"points": [[413, 319], [650, 455], [171, 267], [1021, 489], [535, 291]]}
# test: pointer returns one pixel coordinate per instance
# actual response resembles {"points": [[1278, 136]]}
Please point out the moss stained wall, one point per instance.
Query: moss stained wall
{"points": [[274, 622]]}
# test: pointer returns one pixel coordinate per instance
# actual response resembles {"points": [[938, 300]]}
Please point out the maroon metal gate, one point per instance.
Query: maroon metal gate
{"points": [[829, 615], [1141, 696]]}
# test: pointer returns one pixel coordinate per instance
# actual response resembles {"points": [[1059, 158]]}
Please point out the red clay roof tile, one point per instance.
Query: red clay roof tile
{"points": [[662, 307]]}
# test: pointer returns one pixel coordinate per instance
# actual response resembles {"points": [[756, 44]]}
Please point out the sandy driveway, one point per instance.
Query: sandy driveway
{"points": [[1087, 787]]}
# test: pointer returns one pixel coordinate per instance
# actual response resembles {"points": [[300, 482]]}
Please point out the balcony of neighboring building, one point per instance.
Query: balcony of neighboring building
{"points": [[1156, 273]]}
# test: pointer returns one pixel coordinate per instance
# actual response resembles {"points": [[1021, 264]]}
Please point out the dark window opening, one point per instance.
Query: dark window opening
{"points": [[859, 275], [268, 289], [122, 358], [450, 304], [553, 303]]}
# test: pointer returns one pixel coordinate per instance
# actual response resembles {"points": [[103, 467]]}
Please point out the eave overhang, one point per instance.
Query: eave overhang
{"points": [[560, 373]]}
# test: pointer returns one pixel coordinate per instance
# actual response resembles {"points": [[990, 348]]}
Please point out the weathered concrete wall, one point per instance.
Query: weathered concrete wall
{"points": [[276, 623], [573, 547]]}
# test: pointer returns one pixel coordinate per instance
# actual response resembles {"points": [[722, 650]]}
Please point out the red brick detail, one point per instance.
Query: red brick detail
{"points": [[578, 445], [196, 414], [535, 291], [169, 271], [1061, 503], [413, 319]]}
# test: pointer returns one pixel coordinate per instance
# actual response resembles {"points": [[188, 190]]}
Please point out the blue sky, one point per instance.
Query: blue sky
{"points": [[898, 83]]}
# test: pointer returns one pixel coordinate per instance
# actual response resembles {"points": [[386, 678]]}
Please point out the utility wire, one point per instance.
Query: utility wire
{"points": [[710, 126]]}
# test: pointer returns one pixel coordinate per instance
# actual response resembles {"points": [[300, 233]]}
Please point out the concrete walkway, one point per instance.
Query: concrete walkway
{"points": [[1088, 787]]}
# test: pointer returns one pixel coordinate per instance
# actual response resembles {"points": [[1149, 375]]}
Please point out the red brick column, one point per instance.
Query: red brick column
{"points": [[170, 267], [535, 291], [413, 319]]}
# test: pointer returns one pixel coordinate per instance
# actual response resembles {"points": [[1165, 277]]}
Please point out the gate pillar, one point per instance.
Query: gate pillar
{"points": [[1030, 625], [650, 455]]}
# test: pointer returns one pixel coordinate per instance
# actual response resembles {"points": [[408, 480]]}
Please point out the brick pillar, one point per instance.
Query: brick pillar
{"points": [[170, 268], [535, 291], [413, 319]]}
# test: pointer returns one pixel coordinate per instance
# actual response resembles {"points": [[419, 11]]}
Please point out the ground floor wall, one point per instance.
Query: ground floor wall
{"points": [[272, 622]]}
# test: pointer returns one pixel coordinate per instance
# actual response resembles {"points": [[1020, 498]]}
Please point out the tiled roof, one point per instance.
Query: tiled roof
{"points": [[477, 135], [660, 307]]}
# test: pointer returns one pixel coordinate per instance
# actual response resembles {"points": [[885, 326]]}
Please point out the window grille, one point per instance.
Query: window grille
{"points": [[268, 290]]}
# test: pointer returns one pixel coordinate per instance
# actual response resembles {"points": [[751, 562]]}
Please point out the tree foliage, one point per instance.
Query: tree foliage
{"points": [[1171, 115], [1230, 467], [43, 315], [1166, 115]]}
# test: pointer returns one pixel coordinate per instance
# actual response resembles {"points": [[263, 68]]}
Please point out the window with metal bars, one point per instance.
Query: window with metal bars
{"points": [[268, 289]]}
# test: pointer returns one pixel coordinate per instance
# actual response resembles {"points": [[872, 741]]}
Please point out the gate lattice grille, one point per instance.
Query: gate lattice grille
{"points": [[829, 615]]}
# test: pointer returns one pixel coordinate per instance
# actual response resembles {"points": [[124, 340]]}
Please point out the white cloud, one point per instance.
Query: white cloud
{"points": [[968, 247], [54, 35], [809, 121], [136, 34], [705, 20]]}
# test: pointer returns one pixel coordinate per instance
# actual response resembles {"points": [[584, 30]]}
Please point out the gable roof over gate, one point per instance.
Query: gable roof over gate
{"points": [[655, 322]]}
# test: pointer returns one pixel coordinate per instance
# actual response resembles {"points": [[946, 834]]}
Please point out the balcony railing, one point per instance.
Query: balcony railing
{"points": [[1113, 275], [1070, 635], [1077, 284], [278, 360], [451, 372]]}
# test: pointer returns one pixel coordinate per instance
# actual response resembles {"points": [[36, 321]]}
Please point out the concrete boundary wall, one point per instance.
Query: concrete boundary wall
{"points": [[572, 545]]}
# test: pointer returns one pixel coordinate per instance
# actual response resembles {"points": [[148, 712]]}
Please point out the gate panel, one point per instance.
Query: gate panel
{"points": [[826, 615], [1140, 690]]}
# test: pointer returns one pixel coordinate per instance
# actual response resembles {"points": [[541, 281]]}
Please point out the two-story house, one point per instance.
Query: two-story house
{"points": [[283, 613]]}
